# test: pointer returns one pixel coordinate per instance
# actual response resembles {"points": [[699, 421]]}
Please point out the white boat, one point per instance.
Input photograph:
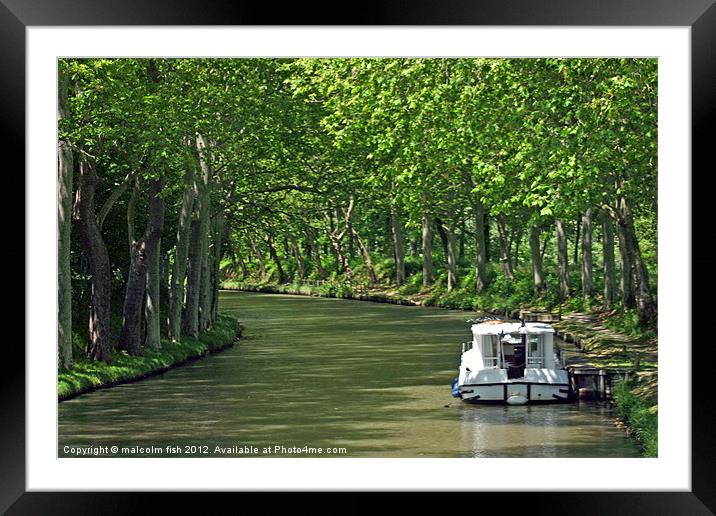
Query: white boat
{"points": [[513, 363]]}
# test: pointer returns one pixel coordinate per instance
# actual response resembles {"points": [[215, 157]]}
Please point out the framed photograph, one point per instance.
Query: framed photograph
{"points": [[204, 183]]}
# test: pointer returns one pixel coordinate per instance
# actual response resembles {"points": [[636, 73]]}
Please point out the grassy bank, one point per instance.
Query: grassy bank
{"points": [[638, 414], [85, 376]]}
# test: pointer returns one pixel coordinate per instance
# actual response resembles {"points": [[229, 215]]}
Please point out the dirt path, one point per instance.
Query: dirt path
{"points": [[588, 343], [588, 334]]}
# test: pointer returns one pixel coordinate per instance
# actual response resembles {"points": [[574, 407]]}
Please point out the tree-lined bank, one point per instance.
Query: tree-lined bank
{"points": [[482, 183]]}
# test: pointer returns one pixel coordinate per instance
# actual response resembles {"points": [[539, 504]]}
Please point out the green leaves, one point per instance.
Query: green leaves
{"points": [[543, 137]]}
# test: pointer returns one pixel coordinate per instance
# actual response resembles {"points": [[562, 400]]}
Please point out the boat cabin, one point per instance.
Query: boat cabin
{"points": [[512, 346]]}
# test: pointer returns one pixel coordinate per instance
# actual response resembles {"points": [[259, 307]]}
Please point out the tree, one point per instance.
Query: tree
{"points": [[65, 171]]}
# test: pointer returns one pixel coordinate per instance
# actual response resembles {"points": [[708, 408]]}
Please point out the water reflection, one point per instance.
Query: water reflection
{"points": [[373, 378]]}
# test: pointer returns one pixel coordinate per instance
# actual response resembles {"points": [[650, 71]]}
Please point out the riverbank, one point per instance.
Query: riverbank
{"points": [[634, 355], [86, 376], [637, 414], [597, 335]]}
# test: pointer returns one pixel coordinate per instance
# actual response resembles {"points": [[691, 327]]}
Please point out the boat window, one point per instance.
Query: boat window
{"points": [[535, 355], [491, 351]]}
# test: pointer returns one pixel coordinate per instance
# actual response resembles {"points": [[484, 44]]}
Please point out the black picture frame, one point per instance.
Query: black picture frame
{"points": [[700, 15]]}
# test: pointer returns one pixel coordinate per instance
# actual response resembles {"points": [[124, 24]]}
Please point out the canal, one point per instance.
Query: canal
{"points": [[365, 379]]}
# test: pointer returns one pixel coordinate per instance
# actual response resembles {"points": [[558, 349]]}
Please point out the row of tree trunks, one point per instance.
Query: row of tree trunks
{"points": [[634, 278], [635, 282], [65, 171], [196, 259]]}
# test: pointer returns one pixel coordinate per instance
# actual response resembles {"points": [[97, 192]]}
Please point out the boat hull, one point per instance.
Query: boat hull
{"points": [[515, 393]]}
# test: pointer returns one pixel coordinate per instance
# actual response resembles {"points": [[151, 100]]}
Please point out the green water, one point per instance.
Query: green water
{"points": [[373, 379]]}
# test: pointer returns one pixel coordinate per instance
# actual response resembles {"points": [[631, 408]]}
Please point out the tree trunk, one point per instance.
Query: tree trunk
{"points": [[335, 237], [427, 252], [152, 311], [562, 260], [442, 235], [366, 257], [480, 247], [399, 252], [274, 257], [317, 256], [645, 305], [587, 282], [463, 230], [486, 226], [242, 263], [286, 248], [181, 255], [84, 215], [576, 242], [544, 246], [206, 285], [504, 247], [518, 240], [130, 337], [451, 259], [190, 319], [351, 245], [65, 170], [206, 219], [296, 251], [610, 277], [199, 244], [537, 276], [260, 258], [221, 234], [626, 280], [340, 257], [164, 290]]}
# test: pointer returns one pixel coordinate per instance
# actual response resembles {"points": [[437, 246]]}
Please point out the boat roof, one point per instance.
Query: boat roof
{"points": [[498, 327]]}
